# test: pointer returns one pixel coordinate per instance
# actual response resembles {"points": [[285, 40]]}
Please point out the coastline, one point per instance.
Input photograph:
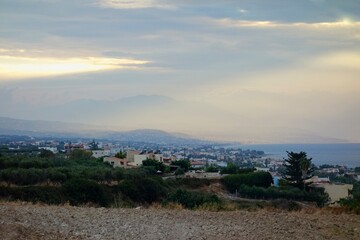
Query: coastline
{"points": [[343, 154]]}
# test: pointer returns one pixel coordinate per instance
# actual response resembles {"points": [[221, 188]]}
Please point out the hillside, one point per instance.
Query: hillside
{"points": [[26, 221]]}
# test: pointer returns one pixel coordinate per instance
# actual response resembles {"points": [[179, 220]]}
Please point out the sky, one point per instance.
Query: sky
{"points": [[255, 71]]}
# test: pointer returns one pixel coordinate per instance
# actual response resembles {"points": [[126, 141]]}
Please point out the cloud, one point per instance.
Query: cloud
{"points": [[228, 22], [15, 67], [242, 11], [135, 4], [341, 60]]}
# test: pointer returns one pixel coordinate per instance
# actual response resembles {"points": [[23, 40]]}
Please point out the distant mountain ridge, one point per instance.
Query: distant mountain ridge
{"points": [[39, 128], [102, 118]]}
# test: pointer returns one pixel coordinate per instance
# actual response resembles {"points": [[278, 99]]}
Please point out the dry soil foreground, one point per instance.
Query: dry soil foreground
{"points": [[26, 221]]}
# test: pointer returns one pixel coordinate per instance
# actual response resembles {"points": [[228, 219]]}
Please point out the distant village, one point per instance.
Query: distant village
{"points": [[336, 180]]}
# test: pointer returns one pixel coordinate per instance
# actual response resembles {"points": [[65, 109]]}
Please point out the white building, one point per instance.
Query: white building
{"points": [[139, 158], [100, 153], [52, 149]]}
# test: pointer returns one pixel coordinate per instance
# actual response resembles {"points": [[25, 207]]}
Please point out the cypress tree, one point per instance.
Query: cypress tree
{"points": [[298, 169]]}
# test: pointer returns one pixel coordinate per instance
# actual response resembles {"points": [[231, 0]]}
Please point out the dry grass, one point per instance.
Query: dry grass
{"points": [[170, 206]]}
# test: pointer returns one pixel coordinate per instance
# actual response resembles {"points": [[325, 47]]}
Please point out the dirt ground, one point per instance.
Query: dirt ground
{"points": [[27, 221]]}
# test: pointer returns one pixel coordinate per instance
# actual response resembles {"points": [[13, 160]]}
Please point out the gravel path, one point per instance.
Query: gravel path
{"points": [[26, 221]]}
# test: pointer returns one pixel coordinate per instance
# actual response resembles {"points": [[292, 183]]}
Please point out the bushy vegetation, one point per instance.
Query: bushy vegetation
{"points": [[184, 164], [44, 194], [143, 190], [192, 199], [154, 165], [258, 179], [80, 179], [29, 170], [353, 201], [80, 191], [283, 193], [257, 185]]}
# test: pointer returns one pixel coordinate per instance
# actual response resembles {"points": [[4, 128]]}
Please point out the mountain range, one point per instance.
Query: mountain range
{"points": [[56, 129], [106, 118]]}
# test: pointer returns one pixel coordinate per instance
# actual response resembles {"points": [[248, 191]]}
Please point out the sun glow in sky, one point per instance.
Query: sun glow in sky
{"points": [[251, 71], [25, 67]]}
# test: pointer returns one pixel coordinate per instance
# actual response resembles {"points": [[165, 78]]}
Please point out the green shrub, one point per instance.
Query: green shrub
{"points": [[179, 171], [44, 194], [192, 199], [292, 193], [259, 179], [143, 190], [353, 201], [184, 164], [191, 183], [81, 191], [212, 168]]}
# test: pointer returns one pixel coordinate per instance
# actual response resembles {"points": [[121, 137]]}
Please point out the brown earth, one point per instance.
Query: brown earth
{"points": [[27, 221]]}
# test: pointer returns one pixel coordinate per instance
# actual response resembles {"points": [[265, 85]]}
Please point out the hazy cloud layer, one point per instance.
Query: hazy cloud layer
{"points": [[256, 70]]}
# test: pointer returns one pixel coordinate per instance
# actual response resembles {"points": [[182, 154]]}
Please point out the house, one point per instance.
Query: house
{"points": [[130, 155], [118, 162], [259, 169], [69, 147], [52, 149], [139, 158], [316, 179], [100, 153], [167, 160], [355, 176], [335, 191]]}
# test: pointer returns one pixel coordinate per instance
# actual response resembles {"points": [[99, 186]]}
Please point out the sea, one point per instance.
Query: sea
{"points": [[333, 154]]}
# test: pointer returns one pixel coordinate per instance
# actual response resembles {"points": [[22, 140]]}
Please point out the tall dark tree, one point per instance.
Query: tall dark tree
{"points": [[121, 155], [94, 145], [298, 169]]}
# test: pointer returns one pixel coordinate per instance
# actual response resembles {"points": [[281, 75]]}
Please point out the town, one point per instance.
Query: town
{"points": [[205, 161]]}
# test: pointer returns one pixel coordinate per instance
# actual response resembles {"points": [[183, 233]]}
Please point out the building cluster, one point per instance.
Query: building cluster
{"points": [[201, 157]]}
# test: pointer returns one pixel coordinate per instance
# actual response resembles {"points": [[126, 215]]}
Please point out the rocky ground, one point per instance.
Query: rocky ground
{"points": [[27, 221]]}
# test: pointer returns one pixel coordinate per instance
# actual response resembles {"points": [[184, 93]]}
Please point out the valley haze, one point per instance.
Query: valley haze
{"points": [[246, 71], [42, 128]]}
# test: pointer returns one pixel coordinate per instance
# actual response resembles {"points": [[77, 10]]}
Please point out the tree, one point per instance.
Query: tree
{"points": [[179, 171], [353, 201], [184, 164], [44, 153], [212, 168], [298, 169], [231, 168], [94, 145], [159, 166], [79, 154], [120, 155], [259, 179]]}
